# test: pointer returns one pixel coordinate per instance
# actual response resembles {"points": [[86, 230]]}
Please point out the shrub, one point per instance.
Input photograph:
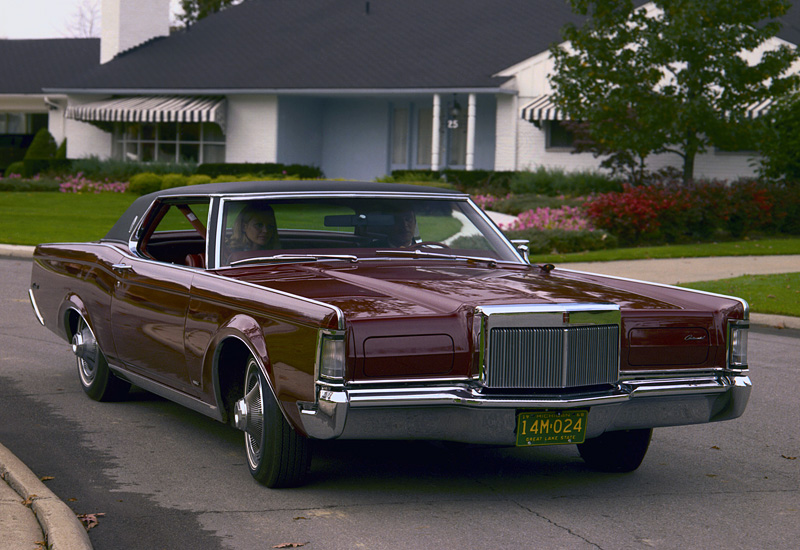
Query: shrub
{"points": [[227, 178], [120, 170], [15, 169], [173, 180], [198, 179], [61, 152], [42, 147], [28, 185], [552, 182], [144, 183], [561, 241], [659, 213], [302, 171], [568, 218]]}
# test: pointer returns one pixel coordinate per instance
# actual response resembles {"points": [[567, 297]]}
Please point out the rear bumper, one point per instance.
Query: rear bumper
{"points": [[460, 412]]}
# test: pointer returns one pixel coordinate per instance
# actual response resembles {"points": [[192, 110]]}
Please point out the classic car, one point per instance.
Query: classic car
{"points": [[304, 310]]}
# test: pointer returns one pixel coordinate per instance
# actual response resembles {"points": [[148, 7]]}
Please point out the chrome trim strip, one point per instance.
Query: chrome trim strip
{"points": [[166, 392], [35, 306], [461, 413]]}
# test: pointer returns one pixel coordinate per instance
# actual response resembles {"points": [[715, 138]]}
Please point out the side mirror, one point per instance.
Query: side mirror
{"points": [[523, 248]]}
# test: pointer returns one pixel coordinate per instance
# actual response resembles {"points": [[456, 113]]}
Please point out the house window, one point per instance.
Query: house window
{"points": [[400, 120], [558, 136], [424, 137], [197, 142], [452, 138], [22, 123]]}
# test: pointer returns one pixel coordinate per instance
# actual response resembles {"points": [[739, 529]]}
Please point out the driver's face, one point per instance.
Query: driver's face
{"points": [[405, 225]]}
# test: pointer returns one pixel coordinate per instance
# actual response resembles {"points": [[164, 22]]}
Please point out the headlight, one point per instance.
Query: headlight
{"points": [[331, 357], [737, 344]]}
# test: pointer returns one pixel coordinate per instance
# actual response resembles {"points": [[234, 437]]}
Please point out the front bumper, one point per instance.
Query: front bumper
{"points": [[461, 412]]}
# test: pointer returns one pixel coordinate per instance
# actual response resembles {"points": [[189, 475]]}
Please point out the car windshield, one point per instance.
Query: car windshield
{"points": [[310, 229]]}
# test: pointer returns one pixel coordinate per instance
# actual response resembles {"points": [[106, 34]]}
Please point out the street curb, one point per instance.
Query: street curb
{"points": [[16, 251], [62, 528]]}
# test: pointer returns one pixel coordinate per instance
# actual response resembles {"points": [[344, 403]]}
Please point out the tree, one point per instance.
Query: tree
{"points": [[779, 141], [85, 21], [670, 76], [195, 10]]}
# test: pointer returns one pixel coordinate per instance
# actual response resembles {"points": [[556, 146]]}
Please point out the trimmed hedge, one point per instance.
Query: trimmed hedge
{"points": [[221, 169], [543, 181]]}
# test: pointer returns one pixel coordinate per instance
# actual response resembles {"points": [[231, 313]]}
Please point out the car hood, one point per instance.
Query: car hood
{"points": [[370, 290]]}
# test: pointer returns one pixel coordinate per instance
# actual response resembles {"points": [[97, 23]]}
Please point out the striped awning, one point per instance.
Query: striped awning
{"points": [[759, 108], [541, 109], [152, 109]]}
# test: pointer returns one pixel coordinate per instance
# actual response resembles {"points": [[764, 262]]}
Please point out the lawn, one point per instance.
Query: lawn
{"points": [[776, 294], [33, 218], [760, 247]]}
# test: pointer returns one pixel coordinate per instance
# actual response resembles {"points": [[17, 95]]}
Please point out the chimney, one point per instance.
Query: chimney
{"points": [[128, 23]]}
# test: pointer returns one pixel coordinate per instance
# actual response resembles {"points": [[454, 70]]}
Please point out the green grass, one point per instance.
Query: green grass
{"points": [[776, 294], [33, 218], [762, 247]]}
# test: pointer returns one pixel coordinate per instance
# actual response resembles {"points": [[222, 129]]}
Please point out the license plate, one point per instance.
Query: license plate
{"points": [[551, 427]]}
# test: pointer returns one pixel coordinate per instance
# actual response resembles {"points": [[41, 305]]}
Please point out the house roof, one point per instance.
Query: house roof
{"points": [[371, 45], [27, 66], [315, 45]]}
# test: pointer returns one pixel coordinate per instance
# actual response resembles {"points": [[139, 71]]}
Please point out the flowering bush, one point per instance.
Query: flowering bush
{"points": [[79, 184], [568, 218], [662, 213]]}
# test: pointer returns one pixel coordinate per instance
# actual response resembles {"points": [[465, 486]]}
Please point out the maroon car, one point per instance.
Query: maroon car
{"points": [[322, 310]]}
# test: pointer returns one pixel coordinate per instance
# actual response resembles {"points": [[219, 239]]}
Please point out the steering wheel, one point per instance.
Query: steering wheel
{"points": [[431, 244]]}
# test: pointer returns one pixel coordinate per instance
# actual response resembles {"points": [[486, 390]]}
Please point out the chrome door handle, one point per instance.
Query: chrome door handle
{"points": [[122, 267]]}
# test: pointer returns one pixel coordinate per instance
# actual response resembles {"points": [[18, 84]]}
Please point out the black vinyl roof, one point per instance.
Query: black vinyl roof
{"points": [[338, 44], [121, 231], [27, 66]]}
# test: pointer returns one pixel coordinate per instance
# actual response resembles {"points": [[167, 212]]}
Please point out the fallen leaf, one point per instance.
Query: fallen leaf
{"points": [[28, 501], [90, 520], [711, 475], [299, 517], [290, 545], [46, 478], [715, 447], [789, 457], [72, 499]]}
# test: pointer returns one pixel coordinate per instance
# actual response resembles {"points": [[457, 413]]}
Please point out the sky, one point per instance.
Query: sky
{"points": [[43, 18]]}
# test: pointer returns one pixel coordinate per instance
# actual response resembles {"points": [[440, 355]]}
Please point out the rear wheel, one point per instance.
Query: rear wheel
{"points": [[97, 380], [277, 455], [621, 451]]}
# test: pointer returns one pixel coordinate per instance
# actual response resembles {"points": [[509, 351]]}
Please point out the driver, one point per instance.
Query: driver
{"points": [[403, 231]]}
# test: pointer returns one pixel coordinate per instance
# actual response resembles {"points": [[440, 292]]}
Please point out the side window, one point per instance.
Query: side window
{"points": [[178, 233]]}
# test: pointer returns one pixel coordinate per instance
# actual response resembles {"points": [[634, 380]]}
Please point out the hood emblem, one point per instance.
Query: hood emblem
{"points": [[565, 317]]}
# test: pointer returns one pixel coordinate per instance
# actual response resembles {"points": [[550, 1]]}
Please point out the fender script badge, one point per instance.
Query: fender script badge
{"points": [[690, 337]]}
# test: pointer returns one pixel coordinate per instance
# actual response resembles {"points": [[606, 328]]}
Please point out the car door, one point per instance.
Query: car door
{"points": [[151, 297]]}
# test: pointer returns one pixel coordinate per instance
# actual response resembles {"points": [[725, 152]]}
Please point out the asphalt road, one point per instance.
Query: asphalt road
{"points": [[165, 477]]}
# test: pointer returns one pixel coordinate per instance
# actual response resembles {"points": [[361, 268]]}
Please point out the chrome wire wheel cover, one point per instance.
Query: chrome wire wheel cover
{"points": [[84, 346], [254, 395]]}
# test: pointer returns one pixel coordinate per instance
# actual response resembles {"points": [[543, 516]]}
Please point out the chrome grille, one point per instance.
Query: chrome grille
{"points": [[551, 357]]}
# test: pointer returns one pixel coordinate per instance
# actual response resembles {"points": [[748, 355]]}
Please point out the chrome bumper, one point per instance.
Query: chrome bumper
{"points": [[460, 412]]}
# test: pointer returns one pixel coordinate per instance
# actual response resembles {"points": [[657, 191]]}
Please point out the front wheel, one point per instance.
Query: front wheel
{"points": [[621, 451], [277, 455], [97, 380]]}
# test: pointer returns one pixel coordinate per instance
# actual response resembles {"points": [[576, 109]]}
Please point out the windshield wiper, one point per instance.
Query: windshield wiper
{"points": [[438, 255], [289, 258]]}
